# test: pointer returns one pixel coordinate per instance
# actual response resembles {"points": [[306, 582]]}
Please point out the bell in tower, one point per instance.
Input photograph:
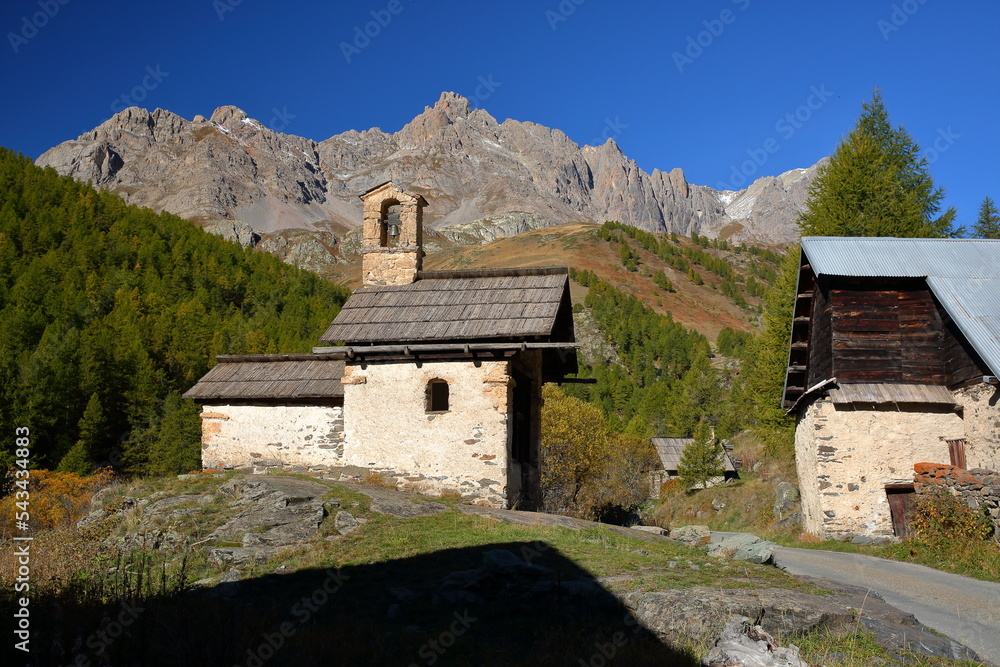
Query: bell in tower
{"points": [[393, 236]]}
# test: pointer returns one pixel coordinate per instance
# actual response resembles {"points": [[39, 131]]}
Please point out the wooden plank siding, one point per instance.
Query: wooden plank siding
{"points": [[963, 364], [886, 330], [820, 349]]}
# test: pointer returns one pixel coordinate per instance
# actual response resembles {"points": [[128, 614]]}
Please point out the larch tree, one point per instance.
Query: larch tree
{"points": [[988, 223], [79, 458], [701, 460], [876, 183]]}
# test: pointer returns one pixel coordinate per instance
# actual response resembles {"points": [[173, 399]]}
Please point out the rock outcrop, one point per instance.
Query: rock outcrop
{"points": [[485, 179], [242, 521]]}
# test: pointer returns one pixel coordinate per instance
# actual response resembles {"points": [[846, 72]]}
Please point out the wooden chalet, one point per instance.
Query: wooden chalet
{"points": [[893, 360]]}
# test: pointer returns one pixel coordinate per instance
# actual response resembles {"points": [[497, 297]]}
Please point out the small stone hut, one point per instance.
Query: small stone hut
{"points": [[432, 378], [893, 360]]}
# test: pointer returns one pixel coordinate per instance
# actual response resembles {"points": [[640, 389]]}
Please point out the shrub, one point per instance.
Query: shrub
{"points": [[938, 516], [670, 487], [56, 499], [375, 478], [590, 471]]}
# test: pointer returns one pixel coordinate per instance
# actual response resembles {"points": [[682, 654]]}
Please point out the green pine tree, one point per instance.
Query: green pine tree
{"points": [[876, 184], [763, 379], [79, 458], [988, 223], [701, 460]]}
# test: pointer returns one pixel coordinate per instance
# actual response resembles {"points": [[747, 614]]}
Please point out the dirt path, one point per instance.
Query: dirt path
{"points": [[967, 610]]}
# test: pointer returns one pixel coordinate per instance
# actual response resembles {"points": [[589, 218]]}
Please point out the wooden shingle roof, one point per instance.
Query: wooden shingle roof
{"points": [[490, 304], [671, 449], [279, 376]]}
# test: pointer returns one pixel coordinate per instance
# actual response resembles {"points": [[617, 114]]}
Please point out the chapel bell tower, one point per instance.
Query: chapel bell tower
{"points": [[392, 253]]}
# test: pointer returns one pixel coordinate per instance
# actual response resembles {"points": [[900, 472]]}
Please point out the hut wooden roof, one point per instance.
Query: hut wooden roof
{"points": [[671, 449], [490, 304], [264, 377]]}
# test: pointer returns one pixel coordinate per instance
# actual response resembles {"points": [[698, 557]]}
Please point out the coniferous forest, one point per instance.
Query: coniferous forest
{"points": [[109, 312], [665, 383]]}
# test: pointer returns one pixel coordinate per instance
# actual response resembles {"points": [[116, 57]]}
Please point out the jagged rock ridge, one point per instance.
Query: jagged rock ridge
{"points": [[504, 177]]}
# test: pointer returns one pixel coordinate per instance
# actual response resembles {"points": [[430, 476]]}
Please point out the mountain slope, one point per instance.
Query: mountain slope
{"points": [[469, 166], [108, 312]]}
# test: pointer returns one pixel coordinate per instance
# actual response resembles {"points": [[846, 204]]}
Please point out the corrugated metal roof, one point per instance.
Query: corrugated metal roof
{"points": [[963, 274], [901, 258]]}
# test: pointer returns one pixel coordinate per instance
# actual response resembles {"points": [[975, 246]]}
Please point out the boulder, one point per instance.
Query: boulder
{"points": [[240, 555], [345, 523], [275, 510], [786, 499], [700, 609], [744, 644], [730, 545], [760, 552], [405, 508], [693, 536]]}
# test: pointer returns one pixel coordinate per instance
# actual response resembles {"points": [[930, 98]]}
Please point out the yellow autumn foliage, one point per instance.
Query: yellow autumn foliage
{"points": [[586, 470], [51, 499]]}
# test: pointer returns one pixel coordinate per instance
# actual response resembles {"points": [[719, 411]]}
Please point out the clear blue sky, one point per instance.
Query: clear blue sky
{"points": [[705, 86]]}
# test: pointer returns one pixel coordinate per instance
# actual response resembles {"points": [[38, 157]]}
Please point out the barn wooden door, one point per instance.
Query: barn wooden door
{"points": [[901, 499], [956, 452]]}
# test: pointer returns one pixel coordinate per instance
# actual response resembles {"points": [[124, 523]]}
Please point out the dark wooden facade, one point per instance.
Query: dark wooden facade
{"points": [[874, 330]]}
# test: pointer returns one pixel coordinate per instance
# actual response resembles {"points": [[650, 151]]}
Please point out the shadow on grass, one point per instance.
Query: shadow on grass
{"points": [[468, 606]]}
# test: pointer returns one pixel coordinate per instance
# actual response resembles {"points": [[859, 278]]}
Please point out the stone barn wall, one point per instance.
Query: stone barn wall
{"points": [[464, 449], [978, 488], [981, 413], [846, 455], [272, 436]]}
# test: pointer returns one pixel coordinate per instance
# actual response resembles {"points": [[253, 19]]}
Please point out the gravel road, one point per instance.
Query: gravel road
{"points": [[967, 610]]}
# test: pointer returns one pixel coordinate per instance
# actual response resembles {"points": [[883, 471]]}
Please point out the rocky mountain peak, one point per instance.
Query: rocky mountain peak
{"points": [[471, 167], [228, 115], [435, 122], [133, 119], [453, 105]]}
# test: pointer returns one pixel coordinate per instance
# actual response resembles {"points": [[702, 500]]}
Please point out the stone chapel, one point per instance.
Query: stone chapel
{"points": [[431, 378]]}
